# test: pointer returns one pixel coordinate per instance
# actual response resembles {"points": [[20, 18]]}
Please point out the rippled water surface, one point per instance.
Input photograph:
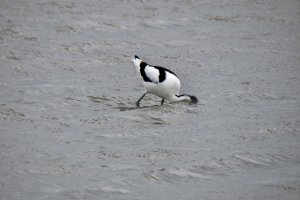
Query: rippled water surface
{"points": [[69, 128]]}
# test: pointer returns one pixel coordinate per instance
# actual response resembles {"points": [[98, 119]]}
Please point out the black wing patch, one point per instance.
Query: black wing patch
{"points": [[142, 71], [162, 73]]}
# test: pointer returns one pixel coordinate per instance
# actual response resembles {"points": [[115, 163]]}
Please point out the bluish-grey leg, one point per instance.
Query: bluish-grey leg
{"points": [[138, 102]]}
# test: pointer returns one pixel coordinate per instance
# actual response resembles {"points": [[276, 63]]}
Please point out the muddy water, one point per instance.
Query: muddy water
{"points": [[68, 124]]}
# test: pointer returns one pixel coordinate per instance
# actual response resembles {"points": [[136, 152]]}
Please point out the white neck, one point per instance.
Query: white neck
{"points": [[183, 97]]}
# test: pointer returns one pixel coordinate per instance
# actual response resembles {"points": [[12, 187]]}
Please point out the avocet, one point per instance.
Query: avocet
{"points": [[160, 82]]}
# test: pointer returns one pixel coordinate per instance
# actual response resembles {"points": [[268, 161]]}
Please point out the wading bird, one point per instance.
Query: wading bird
{"points": [[160, 82]]}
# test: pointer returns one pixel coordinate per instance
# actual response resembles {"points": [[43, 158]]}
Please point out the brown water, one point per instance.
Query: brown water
{"points": [[68, 124]]}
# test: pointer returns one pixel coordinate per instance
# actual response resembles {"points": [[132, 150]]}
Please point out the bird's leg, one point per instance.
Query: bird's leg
{"points": [[162, 101], [138, 102]]}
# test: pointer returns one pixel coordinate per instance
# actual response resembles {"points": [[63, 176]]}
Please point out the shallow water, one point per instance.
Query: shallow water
{"points": [[69, 128]]}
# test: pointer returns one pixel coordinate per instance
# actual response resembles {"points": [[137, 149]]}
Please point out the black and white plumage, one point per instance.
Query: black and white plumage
{"points": [[160, 82]]}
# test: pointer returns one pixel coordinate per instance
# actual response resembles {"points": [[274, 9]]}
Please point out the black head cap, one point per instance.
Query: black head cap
{"points": [[136, 57], [193, 99]]}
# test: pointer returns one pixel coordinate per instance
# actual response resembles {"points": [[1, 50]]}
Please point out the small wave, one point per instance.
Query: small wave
{"points": [[217, 169], [99, 189]]}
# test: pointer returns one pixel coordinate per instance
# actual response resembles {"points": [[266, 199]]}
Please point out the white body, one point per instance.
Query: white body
{"points": [[167, 89]]}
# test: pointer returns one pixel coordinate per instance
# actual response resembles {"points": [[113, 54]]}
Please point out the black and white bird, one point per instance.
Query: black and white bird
{"points": [[160, 82]]}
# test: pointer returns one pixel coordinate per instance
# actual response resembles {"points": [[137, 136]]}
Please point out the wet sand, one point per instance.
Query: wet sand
{"points": [[68, 124]]}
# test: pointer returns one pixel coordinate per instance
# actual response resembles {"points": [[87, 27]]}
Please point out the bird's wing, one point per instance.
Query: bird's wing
{"points": [[152, 73]]}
